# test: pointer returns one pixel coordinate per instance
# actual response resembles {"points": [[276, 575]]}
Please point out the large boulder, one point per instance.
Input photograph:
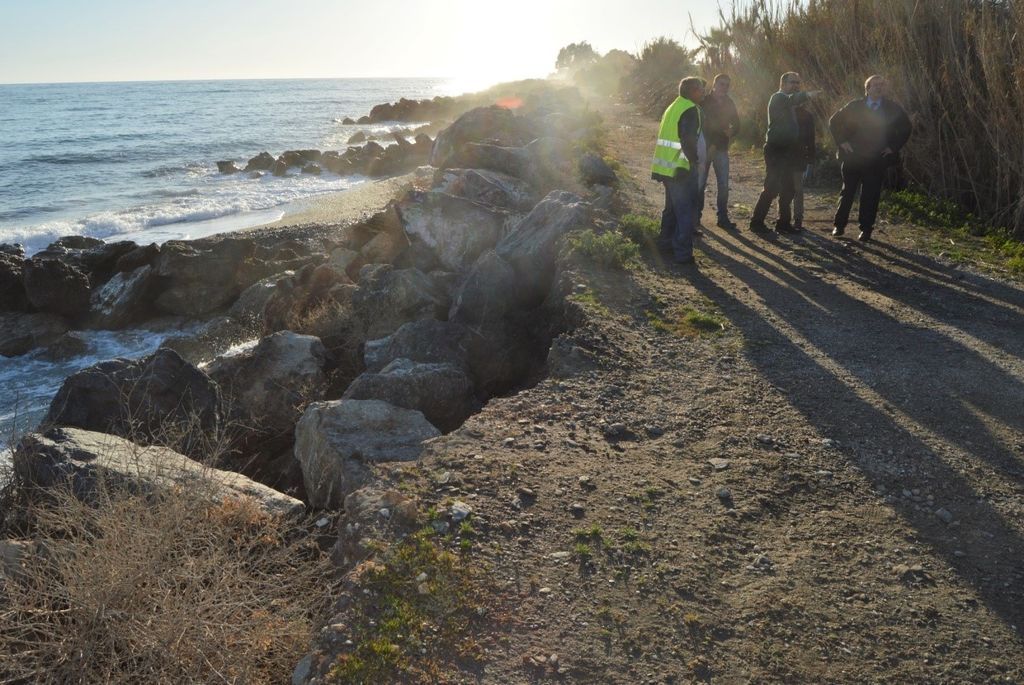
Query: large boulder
{"points": [[442, 392], [12, 288], [517, 162], [200, 344], [487, 187], [595, 171], [336, 441], [57, 287], [455, 229], [487, 293], [265, 386], [427, 341], [83, 460], [532, 246], [100, 261], [157, 399], [264, 161], [248, 308], [295, 296], [21, 332], [142, 255], [203, 276], [484, 124], [388, 297], [125, 299]]}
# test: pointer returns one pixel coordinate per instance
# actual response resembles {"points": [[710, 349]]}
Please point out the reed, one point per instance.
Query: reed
{"points": [[957, 66]]}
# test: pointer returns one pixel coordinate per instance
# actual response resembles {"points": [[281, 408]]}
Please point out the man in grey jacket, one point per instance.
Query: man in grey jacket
{"points": [[781, 154]]}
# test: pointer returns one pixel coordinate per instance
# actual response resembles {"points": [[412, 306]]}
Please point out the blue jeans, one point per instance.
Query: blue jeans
{"points": [[718, 159], [680, 215]]}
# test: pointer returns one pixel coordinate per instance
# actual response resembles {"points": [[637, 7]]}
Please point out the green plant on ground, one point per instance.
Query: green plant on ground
{"points": [[975, 241], [592, 534], [588, 298], [640, 229], [582, 551], [404, 625], [687, 323], [609, 249]]}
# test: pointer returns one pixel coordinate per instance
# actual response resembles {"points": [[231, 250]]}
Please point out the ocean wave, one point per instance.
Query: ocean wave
{"points": [[172, 169], [105, 157]]}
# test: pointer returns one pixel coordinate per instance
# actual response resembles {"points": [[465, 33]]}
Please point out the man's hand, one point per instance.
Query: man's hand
{"points": [[846, 147], [886, 152], [807, 172], [813, 93]]}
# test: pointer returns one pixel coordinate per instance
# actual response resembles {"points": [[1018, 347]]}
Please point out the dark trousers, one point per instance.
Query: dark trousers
{"points": [[869, 179], [778, 183], [679, 218]]}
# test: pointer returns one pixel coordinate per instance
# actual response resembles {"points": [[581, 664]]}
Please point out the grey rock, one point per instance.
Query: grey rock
{"points": [[488, 188], [442, 392], [387, 298], [595, 171], [82, 460], [426, 341], [202, 276], [945, 515], [56, 287], [455, 229], [492, 124], [150, 399], [487, 293], [20, 332], [12, 289], [123, 300], [335, 442]]}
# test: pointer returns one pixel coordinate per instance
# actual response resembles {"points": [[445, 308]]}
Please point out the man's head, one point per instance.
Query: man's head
{"points": [[789, 82], [875, 87], [692, 88], [721, 85]]}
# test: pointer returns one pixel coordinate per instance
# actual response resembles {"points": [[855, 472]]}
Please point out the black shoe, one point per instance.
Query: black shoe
{"points": [[727, 224], [798, 226], [758, 226], [787, 229], [865, 236], [836, 231], [681, 262]]}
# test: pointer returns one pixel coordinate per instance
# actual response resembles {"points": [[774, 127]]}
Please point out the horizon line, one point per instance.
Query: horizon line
{"points": [[249, 78]]}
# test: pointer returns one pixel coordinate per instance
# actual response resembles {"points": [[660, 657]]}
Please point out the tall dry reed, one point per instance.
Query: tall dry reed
{"points": [[957, 66]]}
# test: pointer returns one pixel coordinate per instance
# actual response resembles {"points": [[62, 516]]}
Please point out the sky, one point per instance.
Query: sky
{"points": [[479, 42]]}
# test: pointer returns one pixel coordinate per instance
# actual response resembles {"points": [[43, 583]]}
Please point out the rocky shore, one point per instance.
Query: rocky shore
{"points": [[367, 338]]}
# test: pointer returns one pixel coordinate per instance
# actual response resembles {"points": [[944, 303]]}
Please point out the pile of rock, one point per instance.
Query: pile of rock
{"points": [[371, 159], [440, 301]]}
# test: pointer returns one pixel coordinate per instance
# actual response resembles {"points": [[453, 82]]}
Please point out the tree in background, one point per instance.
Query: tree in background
{"points": [[654, 80], [576, 55]]}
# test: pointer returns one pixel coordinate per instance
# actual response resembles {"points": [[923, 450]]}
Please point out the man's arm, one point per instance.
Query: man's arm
{"points": [[839, 127], [734, 120], [689, 129]]}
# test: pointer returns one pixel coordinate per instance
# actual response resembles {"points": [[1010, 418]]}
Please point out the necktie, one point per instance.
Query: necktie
{"points": [[874, 106]]}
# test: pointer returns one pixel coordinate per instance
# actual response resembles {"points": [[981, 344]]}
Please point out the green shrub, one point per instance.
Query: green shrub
{"points": [[609, 249], [642, 230]]}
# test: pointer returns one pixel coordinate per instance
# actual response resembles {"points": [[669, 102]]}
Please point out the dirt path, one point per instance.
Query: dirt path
{"points": [[862, 519]]}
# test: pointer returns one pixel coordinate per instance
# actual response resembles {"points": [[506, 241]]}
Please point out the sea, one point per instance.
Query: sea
{"points": [[137, 161]]}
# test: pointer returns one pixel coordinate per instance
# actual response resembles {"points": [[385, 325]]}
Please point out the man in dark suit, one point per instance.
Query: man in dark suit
{"points": [[869, 133]]}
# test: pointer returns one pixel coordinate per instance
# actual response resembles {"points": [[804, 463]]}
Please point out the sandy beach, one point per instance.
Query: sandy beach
{"points": [[344, 206]]}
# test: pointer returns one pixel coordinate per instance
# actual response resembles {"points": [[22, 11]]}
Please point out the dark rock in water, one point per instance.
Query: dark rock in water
{"points": [[202, 276], [371, 149], [13, 249], [442, 392], [12, 288], [400, 141], [311, 169], [100, 262], [74, 242], [488, 293], [256, 174], [293, 158], [388, 297], [212, 338], [363, 120], [531, 247], [310, 155], [142, 255], [595, 171], [125, 299], [334, 442], [456, 229], [56, 287], [336, 164], [348, 121], [82, 459], [227, 167], [357, 137], [68, 346], [20, 332], [159, 398], [487, 187], [248, 308], [280, 168], [264, 161], [495, 125]]}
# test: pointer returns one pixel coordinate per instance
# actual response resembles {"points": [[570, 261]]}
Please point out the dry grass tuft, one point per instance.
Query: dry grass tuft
{"points": [[160, 589]]}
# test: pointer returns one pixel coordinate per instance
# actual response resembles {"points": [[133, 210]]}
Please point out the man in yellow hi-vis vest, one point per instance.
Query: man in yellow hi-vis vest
{"points": [[676, 166]]}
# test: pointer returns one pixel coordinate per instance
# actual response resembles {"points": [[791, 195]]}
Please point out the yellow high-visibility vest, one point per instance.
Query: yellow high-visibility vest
{"points": [[668, 153]]}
